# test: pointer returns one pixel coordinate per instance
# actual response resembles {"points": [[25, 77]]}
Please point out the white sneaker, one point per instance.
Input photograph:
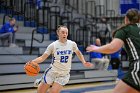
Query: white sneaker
{"points": [[37, 82]]}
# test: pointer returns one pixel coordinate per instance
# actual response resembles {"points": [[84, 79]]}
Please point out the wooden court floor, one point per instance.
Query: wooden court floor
{"points": [[98, 87]]}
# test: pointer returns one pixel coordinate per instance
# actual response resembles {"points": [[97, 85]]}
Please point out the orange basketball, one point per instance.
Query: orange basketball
{"points": [[32, 69]]}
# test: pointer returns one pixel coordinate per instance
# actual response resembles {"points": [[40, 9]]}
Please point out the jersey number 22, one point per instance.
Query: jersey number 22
{"points": [[64, 59]]}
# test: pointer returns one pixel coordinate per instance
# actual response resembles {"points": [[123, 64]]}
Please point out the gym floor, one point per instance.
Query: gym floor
{"points": [[98, 87]]}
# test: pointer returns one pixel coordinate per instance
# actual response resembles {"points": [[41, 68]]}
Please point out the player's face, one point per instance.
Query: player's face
{"points": [[63, 33]]}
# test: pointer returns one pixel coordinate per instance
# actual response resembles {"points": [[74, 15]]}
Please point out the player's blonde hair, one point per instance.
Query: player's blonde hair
{"points": [[59, 27]]}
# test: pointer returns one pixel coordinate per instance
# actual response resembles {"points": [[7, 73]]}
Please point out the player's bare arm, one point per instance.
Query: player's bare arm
{"points": [[112, 47], [82, 59], [41, 58]]}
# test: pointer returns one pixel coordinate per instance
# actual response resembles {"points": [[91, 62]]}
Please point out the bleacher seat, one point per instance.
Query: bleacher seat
{"points": [[25, 36], [103, 73], [42, 50], [36, 44], [11, 59], [11, 50]]}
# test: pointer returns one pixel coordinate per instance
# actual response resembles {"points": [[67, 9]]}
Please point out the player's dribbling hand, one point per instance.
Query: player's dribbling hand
{"points": [[91, 48], [88, 64], [29, 62]]}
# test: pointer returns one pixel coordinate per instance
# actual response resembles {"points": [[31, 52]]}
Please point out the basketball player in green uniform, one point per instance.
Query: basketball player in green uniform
{"points": [[129, 36]]}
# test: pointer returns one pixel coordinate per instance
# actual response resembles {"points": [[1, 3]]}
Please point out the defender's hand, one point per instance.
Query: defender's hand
{"points": [[91, 48]]}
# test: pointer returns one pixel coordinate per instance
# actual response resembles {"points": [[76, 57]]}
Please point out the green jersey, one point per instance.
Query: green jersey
{"points": [[130, 35]]}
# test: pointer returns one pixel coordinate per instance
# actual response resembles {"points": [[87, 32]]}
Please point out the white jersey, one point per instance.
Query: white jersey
{"points": [[62, 53]]}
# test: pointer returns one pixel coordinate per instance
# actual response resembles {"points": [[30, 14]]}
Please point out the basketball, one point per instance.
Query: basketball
{"points": [[32, 69]]}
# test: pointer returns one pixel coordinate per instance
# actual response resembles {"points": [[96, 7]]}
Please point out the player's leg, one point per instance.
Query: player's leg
{"points": [[43, 87], [56, 88], [59, 82], [131, 81], [46, 81], [122, 87]]}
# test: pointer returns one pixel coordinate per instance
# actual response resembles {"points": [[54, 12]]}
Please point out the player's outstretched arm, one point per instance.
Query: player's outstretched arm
{"points": [[41, 58], [112, 47], [82, 59]]}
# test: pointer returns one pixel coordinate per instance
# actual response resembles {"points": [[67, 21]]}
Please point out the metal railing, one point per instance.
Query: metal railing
{"points": [[4, 18], [30, 14], [90, 7], [18, 7], [33, 38], [43, 17], [83, 37]]}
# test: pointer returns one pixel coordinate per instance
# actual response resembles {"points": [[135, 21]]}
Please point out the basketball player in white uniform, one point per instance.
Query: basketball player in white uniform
{"points": [[57, 75]]}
